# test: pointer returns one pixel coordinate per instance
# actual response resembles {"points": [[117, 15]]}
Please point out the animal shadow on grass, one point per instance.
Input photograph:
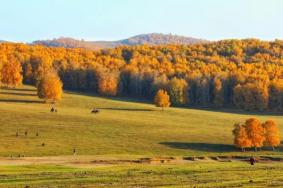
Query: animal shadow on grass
{"points": [[127, 109], [18, 94], [20, 101], [207, 147]]}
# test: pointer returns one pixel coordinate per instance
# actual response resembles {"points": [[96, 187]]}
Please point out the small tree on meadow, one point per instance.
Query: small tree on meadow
{"points": [[162, 99], [50, 87], [272, 135], [241, 138], [255, 132]]}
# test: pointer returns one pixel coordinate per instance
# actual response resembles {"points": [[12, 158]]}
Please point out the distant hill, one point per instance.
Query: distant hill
{"points": [[158, 38], [150, 39], [67, 43]]}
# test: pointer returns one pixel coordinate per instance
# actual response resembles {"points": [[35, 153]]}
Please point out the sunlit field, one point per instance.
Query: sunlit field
{"points": [[121, 128], [196, 174], [124, 129]]}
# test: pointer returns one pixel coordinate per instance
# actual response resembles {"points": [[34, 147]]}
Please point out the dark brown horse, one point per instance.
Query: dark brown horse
{"points": [[95, 111]]}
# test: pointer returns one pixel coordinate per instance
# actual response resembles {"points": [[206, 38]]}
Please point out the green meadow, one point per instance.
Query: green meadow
{"points": [[124, 129], [196, 174]]}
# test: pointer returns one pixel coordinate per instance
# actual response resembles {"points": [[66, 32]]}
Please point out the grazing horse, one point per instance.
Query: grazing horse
{"points": [[95, 111], [53, 109], [252, 161]]}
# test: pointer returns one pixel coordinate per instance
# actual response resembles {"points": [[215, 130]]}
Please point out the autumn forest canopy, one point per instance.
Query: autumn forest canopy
{"points": [[245, 74]]}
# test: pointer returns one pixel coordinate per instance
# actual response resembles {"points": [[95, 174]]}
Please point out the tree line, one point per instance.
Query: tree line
{"points": [[244, 74]]}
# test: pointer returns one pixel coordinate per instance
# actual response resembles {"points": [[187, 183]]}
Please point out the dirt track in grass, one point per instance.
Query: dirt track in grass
{"points": [[93, 161]]}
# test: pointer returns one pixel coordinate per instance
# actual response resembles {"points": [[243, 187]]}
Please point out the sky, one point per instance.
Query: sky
{"points": [[29, 20]]}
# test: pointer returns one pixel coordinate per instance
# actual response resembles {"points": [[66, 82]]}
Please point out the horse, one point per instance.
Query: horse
{"points": [[95, 111]]}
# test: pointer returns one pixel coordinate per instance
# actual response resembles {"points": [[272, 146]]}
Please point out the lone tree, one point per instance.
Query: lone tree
{"points": [[162, 99], [272, 136], [50, 87], [11, 73], [241, 138]]}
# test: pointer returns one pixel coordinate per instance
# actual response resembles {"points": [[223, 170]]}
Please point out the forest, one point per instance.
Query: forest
{"points": [[244, 74]]}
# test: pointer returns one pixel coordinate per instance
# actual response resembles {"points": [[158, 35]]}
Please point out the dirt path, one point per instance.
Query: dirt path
{"points": [[92, 161]]}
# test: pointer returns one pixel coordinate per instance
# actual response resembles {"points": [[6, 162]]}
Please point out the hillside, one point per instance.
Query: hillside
{"points": [[150, 39], [242, 74], [122, 128]]}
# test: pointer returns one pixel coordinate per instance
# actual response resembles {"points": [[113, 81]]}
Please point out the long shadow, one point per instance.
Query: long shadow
{"points": [[18, 94], [200, 146], [127, 109], [18, 89], [235, 111], [117, 98], [20, 101], [209, 109]]}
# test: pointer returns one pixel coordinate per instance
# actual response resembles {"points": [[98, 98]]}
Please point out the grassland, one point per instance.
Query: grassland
{"points": [[210, 174], [124, 129]]}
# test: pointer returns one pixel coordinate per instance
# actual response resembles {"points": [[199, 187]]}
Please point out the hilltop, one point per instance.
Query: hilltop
{"points": [[150, 39]]}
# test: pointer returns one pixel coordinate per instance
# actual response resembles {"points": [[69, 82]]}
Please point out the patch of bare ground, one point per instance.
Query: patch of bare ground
{"points": [[261, 159], [92, 161]]}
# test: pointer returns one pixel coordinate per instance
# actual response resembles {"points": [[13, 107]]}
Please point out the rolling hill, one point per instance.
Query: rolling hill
{"points": [[150, 39], [123, 127], [108, 143]]}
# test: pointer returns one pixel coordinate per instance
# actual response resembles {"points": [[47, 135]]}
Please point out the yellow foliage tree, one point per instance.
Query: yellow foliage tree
{"points": [[178, 91], [255, 132], [108, 84], [218, 93], [272, 135], [241, 138], [50, 87], [11, 73], [251, 96], [162, 99]]}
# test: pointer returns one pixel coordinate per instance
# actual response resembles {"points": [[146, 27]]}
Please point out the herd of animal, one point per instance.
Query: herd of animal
{"points": [[93, 111]]}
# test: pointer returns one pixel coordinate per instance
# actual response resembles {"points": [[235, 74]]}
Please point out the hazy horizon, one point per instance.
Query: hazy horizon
{"points": [[27, 21]]}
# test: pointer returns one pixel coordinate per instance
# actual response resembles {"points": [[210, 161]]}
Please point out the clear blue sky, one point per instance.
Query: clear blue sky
{"points": [[28, 20]]}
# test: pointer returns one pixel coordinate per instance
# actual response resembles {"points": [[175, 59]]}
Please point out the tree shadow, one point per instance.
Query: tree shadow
{"points": [[18, 94], [234, 110], [126, 109], [207, 147], [116, 98], [208, 109], [18, 89], [20, 101]]}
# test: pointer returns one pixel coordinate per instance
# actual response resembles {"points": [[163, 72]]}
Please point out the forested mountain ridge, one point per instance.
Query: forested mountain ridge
{"points": [[150, 39], [244, 74], [67, 43], [159, 39]]}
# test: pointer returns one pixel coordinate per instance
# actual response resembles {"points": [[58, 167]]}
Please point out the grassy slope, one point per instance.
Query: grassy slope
{"points": [[210, 174], [122, 128]]}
